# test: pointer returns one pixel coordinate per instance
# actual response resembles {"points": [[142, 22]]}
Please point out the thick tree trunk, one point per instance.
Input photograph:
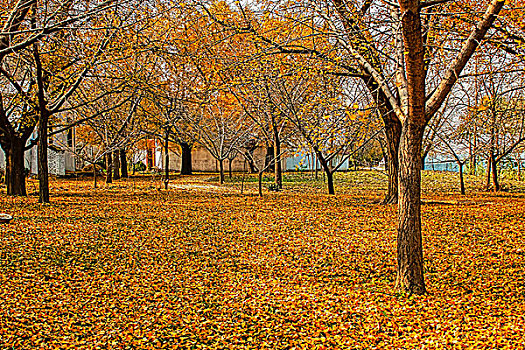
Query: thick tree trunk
{"points": [[221, 171], [123, 163], [15, 172], [116, 165], [409, 240], [186, 168], [43, 169], [109, 168], [393, 134]]}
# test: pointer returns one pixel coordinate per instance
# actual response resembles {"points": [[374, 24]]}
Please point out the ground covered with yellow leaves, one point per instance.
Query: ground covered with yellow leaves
{"points": [[201, 266]]}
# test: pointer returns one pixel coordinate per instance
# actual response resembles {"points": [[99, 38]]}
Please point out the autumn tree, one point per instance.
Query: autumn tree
{"points": [[393, 47], [42, 76]]}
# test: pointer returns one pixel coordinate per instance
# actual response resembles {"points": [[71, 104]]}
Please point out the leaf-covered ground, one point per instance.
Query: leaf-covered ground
{"points": [[130, 266]]}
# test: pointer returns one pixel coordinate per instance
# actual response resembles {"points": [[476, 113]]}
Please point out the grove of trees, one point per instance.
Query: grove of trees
{"points": [[329, 78]]}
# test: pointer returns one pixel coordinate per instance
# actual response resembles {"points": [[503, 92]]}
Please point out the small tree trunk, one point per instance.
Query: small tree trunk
{"points": [[495, 174], [166, 159], [461, 180], [186, 168], [249, 156], [116, 165], [15, 173], [409, 240], [230, 175], [109, 168], [277, 160], [259, 178], [123, 163], [221, 171], [519, 169], [243, 175], [489, 165], [94, 175], [329, 174], [269, 161], [423, 159], [330, 181], [43, 169], [311, 163]]}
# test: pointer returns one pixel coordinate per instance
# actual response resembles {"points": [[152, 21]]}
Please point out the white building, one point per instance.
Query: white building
{"points": [[59, 159]]}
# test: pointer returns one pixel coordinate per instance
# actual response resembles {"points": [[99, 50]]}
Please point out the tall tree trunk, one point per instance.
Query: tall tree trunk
{"points": [[43, 169], [221, 171], [116, 165], [166, 158], [15, 172], [109, 168], [186, 168], [409, 240], [123, 163], [393, 134], [43, 121], [461, 180], [278, 170]]}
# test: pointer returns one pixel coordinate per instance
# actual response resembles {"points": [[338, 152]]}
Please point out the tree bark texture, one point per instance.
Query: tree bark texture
{"points": [[409, 239], [393, 134]]}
